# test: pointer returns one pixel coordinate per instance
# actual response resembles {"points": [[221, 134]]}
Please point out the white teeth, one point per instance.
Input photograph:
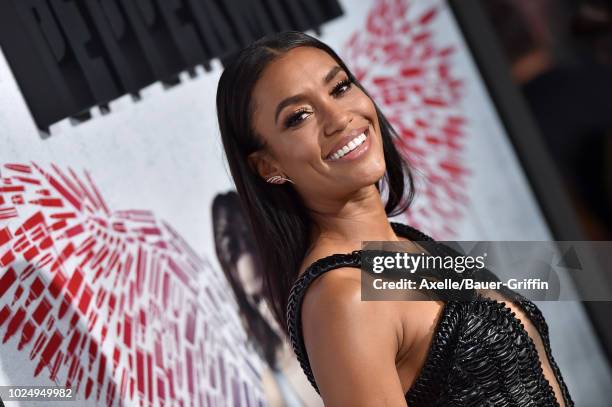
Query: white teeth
{"points": [[353, 144]]}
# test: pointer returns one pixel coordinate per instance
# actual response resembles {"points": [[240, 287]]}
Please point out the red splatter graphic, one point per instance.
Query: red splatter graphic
{"points": [[397, 58], [113, 303]]}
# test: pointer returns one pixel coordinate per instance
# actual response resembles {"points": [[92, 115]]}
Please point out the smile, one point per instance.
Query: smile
{"points": [[353, 149]]}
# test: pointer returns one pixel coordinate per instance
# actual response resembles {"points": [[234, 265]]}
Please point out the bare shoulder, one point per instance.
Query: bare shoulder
{"points": [[333, 301], [335, 291], [352, 345]]}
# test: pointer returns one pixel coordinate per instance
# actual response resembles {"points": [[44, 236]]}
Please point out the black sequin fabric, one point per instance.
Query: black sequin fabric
{"points": [[480, 355]]}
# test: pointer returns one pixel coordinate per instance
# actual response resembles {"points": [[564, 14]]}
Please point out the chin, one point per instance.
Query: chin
{"points": [[370, 177], [374, 171]]}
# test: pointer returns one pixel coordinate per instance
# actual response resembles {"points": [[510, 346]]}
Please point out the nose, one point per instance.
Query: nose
{"points": [[336, 116]]}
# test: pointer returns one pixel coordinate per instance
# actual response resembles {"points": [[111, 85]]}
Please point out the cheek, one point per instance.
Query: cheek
{"points": [[302, 146], [363, 102], [371, 113], [364, 105]]}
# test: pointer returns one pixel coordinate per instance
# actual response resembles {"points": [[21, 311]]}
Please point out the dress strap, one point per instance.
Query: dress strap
{"points": [[296, 297], [316, 269], [445, 332]]}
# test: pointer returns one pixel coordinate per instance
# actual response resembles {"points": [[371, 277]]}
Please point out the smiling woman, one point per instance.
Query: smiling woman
{"points": [[317, 127], [311, 155], [284, 104]]}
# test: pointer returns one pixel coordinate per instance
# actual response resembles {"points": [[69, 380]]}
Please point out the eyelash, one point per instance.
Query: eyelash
{"points": [[294, 119], [346, 82]]}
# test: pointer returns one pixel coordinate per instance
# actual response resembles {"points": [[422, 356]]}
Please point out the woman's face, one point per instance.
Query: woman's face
{"points": [[305, 110], [249, 280]]}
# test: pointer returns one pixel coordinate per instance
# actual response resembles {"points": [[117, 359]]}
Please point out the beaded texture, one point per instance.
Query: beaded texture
{"points": [[480, 355]]}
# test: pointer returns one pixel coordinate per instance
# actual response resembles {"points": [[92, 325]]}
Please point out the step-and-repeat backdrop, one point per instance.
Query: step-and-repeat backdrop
{"points": [[126, 271]]}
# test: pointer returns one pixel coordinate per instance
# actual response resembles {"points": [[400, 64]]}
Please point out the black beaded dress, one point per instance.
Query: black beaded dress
{"points": [[480, 354]]}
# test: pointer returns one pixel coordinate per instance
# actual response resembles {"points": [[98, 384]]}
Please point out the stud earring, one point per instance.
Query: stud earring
{"points": [[277, 179]]}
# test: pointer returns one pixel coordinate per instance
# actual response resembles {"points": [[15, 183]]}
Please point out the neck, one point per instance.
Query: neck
{"points": [[361, 217]]}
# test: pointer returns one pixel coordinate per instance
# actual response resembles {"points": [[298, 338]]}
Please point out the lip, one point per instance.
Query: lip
{"points": [[363, 147]]}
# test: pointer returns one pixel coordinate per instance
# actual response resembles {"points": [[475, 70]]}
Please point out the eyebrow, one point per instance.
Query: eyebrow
{"points": [[296, 98]]}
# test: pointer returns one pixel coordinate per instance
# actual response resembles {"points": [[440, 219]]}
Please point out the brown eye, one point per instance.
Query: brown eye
{"points": [[341, 87], [296, 118]]}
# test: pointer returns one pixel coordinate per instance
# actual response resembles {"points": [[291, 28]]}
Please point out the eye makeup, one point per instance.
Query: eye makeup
{"points": [[345, 83], [297, 117]]}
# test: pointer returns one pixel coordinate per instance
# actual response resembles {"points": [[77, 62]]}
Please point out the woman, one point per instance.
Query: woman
{"points": [[311, 154], [238, 258]]}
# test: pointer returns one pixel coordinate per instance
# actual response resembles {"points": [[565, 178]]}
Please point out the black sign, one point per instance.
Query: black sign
{"points": [[71, 55]]}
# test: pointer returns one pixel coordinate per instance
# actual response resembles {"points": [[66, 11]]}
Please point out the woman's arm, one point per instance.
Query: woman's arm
{"points": [[352, 344]]}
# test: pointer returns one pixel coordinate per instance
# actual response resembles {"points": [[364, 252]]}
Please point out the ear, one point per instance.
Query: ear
{"points": [[264, 165]]}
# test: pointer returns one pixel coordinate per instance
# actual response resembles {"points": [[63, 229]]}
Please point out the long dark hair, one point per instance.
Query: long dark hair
{"points": [[233, 239], [277, 215]]}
